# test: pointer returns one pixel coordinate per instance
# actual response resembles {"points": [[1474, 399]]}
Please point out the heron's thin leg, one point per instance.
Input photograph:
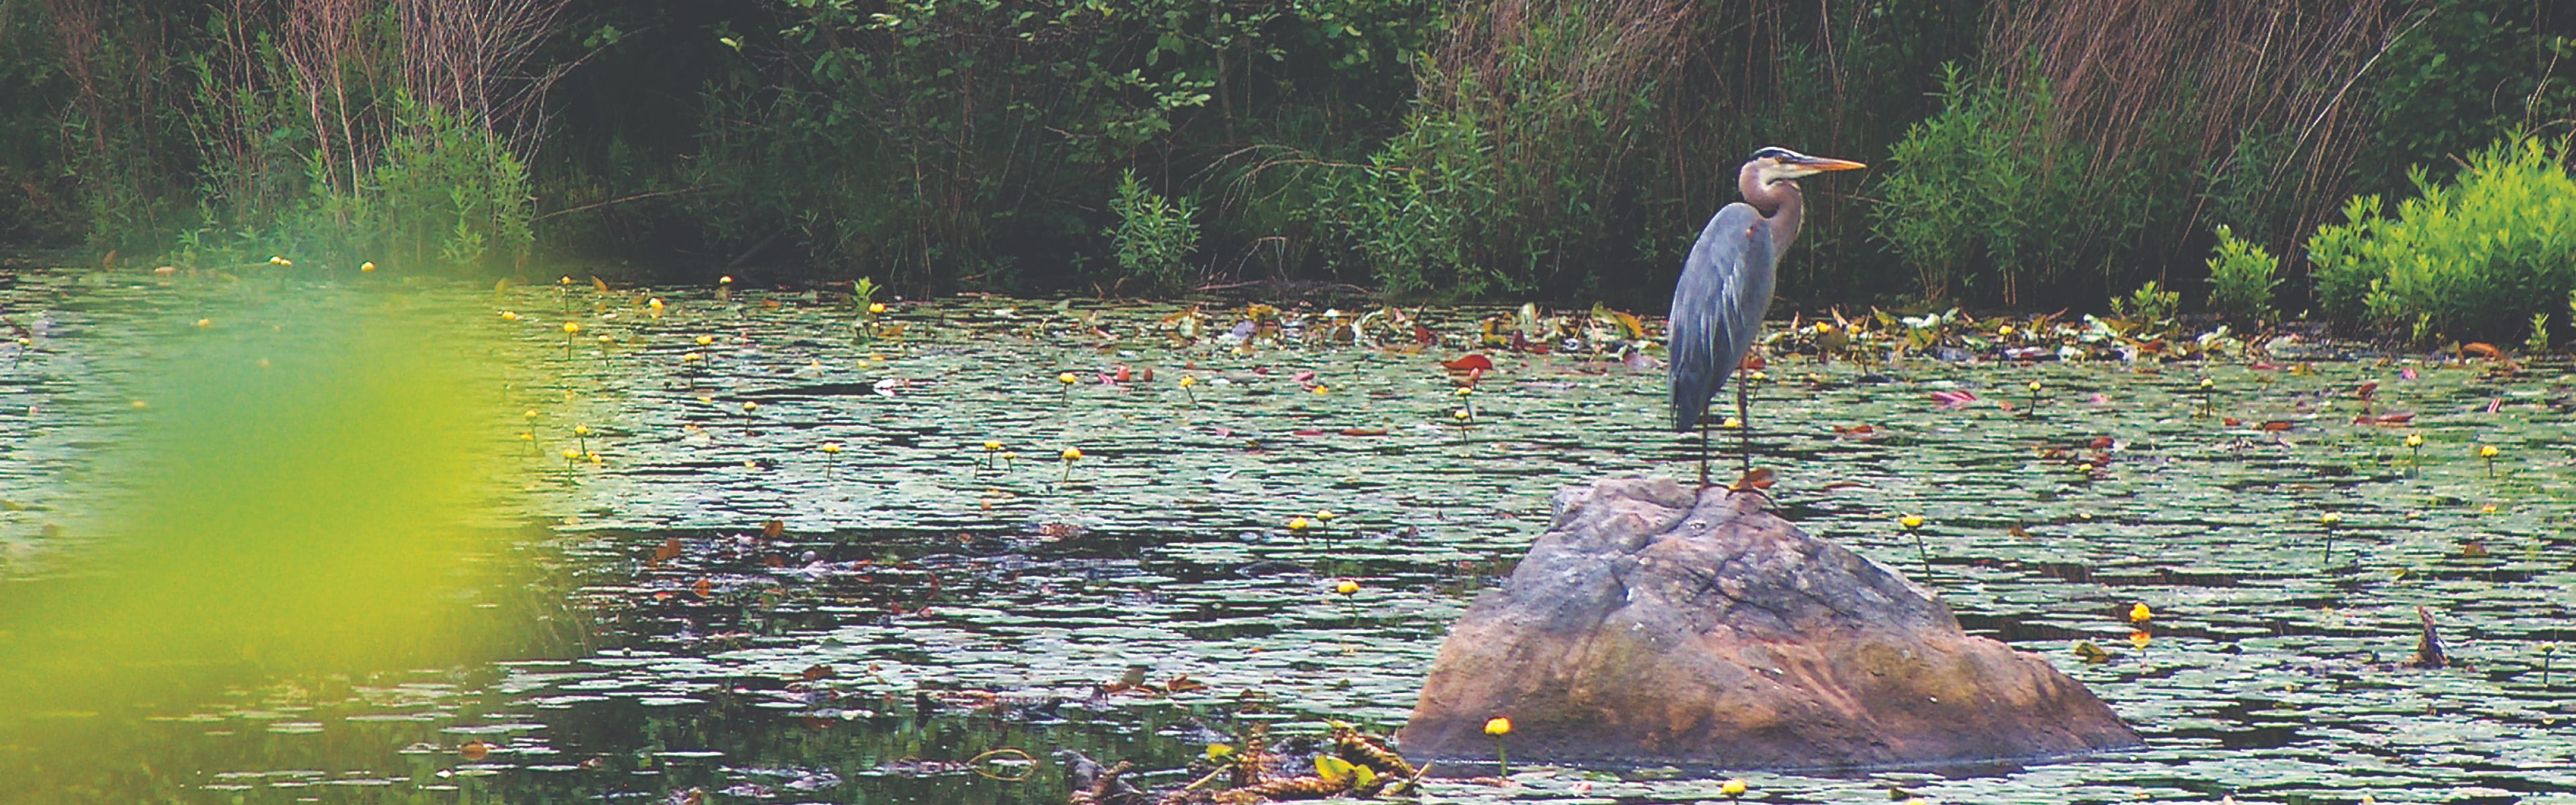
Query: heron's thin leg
{"points": [[1743, 418], [1703, 451]]}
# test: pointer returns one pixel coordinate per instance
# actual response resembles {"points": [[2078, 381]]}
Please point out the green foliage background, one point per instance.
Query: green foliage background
{"points": [[1487, 149]]}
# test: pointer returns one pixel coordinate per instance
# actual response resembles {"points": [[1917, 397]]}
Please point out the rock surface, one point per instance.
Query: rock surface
{"points": [[1655, 623]]}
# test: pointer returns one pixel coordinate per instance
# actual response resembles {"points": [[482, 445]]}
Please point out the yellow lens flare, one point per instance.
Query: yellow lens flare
{"points": [[311, 494]]}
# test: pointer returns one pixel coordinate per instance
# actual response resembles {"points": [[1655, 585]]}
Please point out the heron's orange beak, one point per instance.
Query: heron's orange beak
{"points": [[1823, 164]]}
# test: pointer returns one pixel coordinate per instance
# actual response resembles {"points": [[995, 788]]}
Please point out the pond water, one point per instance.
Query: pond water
{"points": [[780, 563]]}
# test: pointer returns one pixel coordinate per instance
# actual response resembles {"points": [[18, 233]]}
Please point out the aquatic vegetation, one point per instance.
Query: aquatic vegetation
{"points": [[958, 605]]}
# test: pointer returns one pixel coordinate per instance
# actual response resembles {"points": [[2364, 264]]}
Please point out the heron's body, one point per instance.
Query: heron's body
{"points": [[1718, 307], [1726, 282]]}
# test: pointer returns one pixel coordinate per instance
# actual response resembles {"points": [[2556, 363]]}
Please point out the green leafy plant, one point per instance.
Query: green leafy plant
{"points": [[2241, 278], [2149, 306], [1154, 237], [2463, 259], [2538, 341]]}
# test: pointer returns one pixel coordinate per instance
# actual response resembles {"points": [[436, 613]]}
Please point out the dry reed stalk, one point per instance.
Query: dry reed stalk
{"points": [[464, 57], [76, 26], [2123, 71], [321, 44]]}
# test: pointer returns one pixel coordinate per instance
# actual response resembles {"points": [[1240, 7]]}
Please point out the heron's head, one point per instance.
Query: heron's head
{"points": [[1778, 164]]}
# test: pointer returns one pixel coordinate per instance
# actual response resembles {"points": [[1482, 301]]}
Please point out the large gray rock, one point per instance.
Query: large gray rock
{"points": [[1654, 623]]}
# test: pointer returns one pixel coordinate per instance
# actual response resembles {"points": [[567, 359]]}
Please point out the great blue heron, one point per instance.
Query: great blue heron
{"points": [[1726, 287]]}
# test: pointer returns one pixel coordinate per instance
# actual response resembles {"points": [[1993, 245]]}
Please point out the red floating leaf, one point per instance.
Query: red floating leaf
{"points": [[1471, 362]]}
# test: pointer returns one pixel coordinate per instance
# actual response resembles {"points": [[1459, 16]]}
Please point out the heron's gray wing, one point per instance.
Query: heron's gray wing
{"points": [[1717, 308]]}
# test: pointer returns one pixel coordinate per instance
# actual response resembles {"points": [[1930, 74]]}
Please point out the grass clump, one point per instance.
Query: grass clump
{"points": [[2470, 258]]}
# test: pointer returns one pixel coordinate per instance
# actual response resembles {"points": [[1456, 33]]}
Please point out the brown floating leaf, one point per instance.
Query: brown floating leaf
{"points": [[1756, 478], [2481, 349], [773, 529], [670, 550], [2275, 426], [1363, 431]]}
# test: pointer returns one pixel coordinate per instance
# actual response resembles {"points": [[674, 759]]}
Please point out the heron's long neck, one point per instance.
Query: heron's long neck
{"points": [[1779, 202]]}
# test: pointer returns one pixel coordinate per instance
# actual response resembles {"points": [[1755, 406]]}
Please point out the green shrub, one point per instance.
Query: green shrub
{"points": [[446, 189], [1410, 214], [2242, 278], [1991, 198], [1519, 166], [2469, 259], [1154, 237]]}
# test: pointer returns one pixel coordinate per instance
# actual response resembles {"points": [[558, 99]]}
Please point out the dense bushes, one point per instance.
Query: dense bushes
{"points": [[1525, 144], [2473, 258], [1557, 149], [342, 131], [1990, 197], [951, 144]]}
